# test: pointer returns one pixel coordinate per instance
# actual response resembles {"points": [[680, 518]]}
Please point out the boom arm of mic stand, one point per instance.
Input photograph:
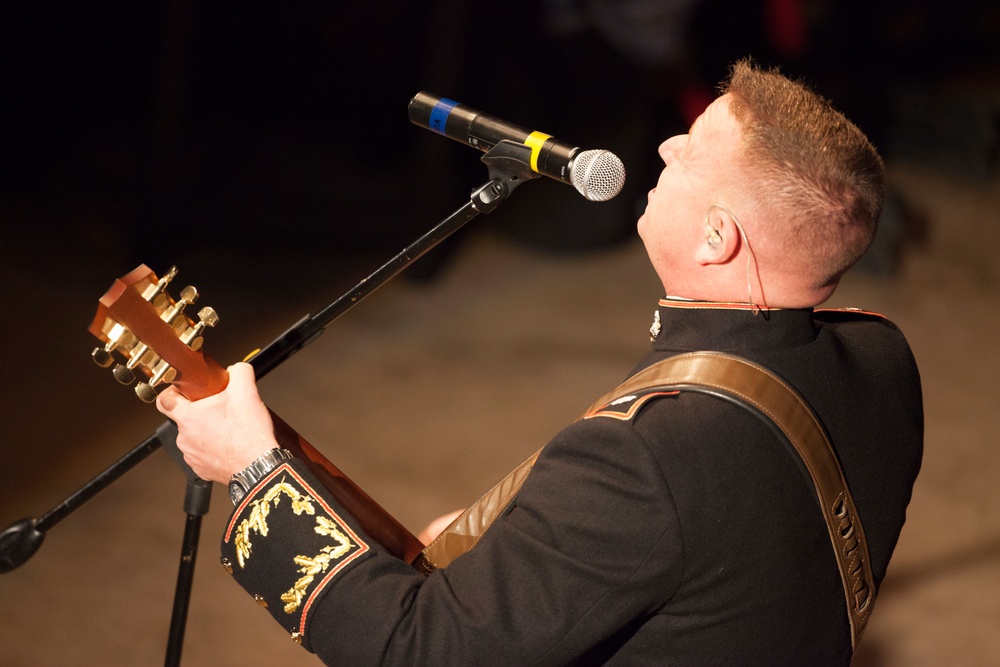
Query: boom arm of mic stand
{"points": [[508, 168], [507, 163]]}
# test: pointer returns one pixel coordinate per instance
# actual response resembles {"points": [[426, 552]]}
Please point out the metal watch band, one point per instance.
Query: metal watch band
{"points": [[241, 482]]}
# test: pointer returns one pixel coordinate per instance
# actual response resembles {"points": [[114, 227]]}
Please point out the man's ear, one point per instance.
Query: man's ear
{"points": [[722, 238]]}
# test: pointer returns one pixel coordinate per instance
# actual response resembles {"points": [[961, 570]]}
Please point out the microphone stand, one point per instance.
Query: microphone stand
{"points": [[507, 164]]}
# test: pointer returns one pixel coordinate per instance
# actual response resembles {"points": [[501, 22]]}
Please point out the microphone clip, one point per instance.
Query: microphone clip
{"points": [[508, 165]]}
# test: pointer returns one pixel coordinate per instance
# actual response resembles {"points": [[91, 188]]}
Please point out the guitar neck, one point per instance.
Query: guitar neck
{"points": [[374, 520], [137, 319], [379, 524]]}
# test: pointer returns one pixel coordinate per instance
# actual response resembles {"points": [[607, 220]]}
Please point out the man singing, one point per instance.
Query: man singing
{"points": [[679, 531]]}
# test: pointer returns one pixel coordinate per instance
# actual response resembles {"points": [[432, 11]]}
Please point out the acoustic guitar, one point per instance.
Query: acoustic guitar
{"points": [[150, 340]]}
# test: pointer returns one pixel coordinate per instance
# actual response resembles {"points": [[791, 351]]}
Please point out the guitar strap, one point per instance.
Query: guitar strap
{"points": [[761, 392]]}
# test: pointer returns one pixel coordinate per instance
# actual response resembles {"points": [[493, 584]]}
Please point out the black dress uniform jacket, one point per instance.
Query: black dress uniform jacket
{"points": [[684, 534]]}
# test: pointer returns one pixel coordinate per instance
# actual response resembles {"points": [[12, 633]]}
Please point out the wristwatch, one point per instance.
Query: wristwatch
{"points": [[241, 483]]}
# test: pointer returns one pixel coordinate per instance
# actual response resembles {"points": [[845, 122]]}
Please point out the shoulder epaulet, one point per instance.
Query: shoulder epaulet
{"points": [[627, 407]]}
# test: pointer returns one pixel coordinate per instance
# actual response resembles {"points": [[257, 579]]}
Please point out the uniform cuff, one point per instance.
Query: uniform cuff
{"points": [[285, 545]]}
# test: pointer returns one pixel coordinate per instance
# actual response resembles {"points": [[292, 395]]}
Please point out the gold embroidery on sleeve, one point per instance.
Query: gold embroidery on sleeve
{"points": [[259, 509], [318, 564]]}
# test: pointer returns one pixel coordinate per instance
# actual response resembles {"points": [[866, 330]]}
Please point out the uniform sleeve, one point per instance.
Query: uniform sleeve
{"points": [[590, 544]]}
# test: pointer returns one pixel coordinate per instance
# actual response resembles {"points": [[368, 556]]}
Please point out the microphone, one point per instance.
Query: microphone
{"points": [[596, 174]]}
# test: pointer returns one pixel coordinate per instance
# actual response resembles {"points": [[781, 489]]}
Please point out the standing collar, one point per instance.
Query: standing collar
{"points": [[705, 325]]}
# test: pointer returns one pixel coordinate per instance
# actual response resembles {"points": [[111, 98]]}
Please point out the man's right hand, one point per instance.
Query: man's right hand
{"points": [[221, 434]]}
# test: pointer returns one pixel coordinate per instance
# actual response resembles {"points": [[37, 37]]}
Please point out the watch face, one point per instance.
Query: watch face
{"points": [[236, 492]]}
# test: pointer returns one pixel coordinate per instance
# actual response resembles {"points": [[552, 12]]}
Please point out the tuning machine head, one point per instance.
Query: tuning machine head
{"points": [[148, 332]]}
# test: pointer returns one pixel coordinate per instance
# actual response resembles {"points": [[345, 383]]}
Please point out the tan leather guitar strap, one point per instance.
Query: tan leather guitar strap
{"points": [[755, 388]]}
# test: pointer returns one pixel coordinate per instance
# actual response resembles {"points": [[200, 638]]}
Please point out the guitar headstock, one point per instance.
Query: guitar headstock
{"points": [[149, 334]]}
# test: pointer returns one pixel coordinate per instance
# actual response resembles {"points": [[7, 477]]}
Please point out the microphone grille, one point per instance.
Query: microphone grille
{"points": [[597, 174]]}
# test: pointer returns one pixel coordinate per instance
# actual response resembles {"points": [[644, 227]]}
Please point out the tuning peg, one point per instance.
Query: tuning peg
{"points": [[141, 355], [156, 293], [145, 392], [102, 357], [163, 373], [189, 294], [160, 285], [173, 314], [207, 317], [123, 374], [118, 337]]}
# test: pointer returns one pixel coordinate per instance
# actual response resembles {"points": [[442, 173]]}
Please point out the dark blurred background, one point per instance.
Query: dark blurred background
{"points": [[265, 149], [250, 124]]}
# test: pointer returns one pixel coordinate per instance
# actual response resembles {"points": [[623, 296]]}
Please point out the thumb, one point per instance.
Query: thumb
{"points": [[168, 400]]}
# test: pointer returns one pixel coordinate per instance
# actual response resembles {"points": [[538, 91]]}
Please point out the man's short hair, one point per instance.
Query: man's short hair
{"points": [[816, 171]]}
